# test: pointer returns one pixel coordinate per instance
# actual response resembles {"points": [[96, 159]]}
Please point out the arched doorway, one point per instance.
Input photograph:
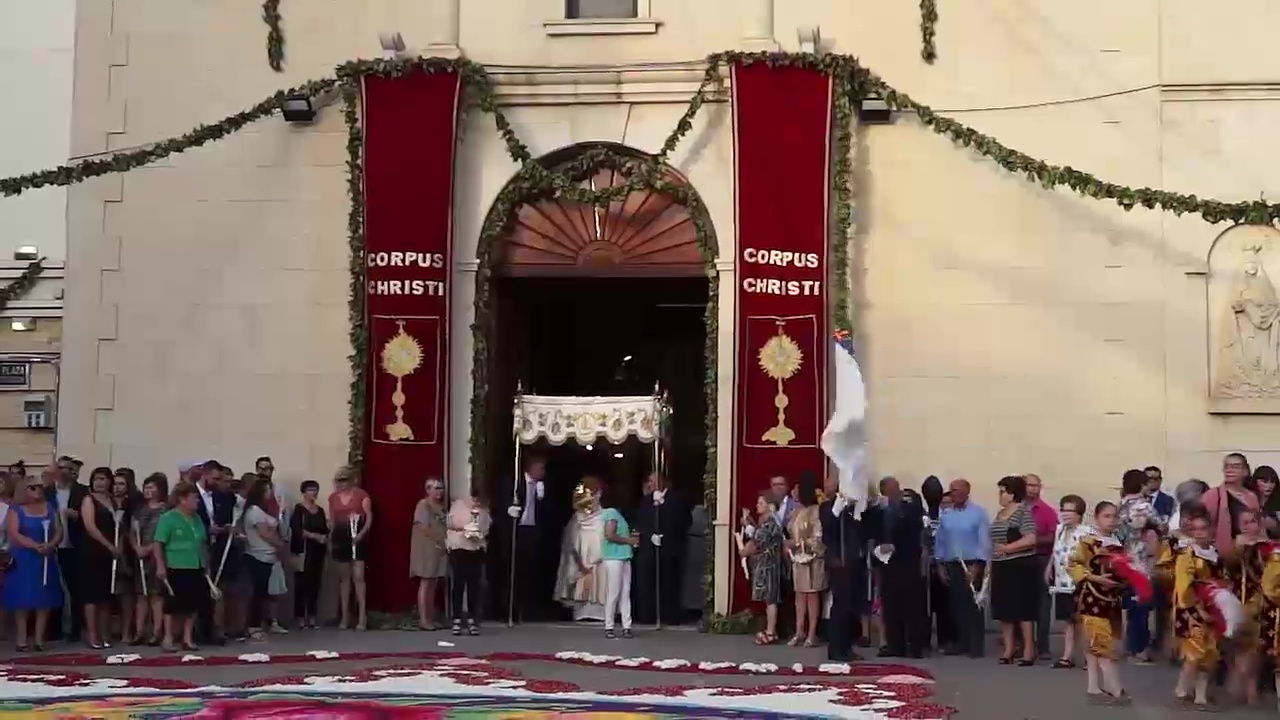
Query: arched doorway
{"points": [[591, 301]]}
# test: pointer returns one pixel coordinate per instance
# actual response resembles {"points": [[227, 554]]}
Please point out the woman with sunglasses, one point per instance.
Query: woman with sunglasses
{"points": [[33, 583], [427, 559]]}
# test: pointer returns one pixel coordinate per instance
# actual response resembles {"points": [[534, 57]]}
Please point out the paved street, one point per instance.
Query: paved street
{"points": [[975, 688]]}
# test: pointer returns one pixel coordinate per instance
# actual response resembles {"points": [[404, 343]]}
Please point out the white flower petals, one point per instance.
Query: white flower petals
{"points": [[122, 659], [255, 658]]}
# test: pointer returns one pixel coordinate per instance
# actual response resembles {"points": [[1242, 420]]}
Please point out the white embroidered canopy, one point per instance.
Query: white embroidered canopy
{"points": [[587, 419]]}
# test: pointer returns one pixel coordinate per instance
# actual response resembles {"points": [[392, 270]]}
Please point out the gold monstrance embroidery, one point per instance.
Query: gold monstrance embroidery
{"points": [[401, 356], [780, 358]]}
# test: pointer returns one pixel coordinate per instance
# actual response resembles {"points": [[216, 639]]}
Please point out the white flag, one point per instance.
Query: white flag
{"points": [[845, 439]]}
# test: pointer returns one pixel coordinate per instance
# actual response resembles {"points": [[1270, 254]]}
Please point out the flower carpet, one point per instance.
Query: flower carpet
{"points": [[453, 685]]}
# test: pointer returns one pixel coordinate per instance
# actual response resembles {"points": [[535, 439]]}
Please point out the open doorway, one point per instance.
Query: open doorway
{"points": [[595, 337]]}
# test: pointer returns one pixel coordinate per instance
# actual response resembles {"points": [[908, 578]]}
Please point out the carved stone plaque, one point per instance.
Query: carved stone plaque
{"points": [[1244, 321]]}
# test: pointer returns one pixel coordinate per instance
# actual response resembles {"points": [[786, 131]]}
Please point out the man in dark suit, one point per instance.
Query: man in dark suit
{"points": [[529, 513], [662, 515], [217, 511], [843, 536], [899, 539], [63, 490]]}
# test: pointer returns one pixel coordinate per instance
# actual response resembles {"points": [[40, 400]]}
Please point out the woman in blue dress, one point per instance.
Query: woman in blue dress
{"points": [[33, 582]]}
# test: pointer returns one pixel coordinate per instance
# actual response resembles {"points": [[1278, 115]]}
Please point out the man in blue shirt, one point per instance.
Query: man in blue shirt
{"points": [[962, 549]]}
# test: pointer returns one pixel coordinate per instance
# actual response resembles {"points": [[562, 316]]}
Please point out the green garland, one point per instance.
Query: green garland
{"points": [[534, 181], [356, 286], [22, 284], [78, 172], [928, 30], [275, 34]]}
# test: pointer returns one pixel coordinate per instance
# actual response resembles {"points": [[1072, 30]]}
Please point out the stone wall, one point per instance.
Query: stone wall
{"points": [[1004, 328]]}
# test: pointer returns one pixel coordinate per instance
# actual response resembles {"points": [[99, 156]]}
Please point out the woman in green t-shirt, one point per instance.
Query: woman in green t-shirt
{"points": [[619, 545], [180, 564]]}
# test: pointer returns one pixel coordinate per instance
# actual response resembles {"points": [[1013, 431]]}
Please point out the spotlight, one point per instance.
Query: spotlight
{"points": [[22, 324], [26, 252], [298, 108], [874, 111]]}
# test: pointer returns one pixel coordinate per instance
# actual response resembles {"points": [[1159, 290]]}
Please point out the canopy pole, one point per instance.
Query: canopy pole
{"points": [[515, 521]]}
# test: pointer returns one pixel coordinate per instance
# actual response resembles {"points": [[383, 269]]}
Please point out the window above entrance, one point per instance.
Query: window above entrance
{"points": [[644, 234], [603, 17]]}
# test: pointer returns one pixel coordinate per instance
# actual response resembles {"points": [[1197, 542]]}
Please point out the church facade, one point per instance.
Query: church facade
{"points": [[1001, 327]]}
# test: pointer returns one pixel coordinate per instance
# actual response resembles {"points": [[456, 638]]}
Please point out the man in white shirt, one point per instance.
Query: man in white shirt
{"points": [[527, 513]]}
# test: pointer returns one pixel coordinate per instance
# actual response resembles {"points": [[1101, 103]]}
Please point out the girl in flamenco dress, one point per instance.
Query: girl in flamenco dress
{"points": [[1269, 616], [1098, 597], [1193, 625], [1244, 573]]}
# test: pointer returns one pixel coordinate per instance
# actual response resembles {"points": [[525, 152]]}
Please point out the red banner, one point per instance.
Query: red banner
{"points": [[782, 122], [409, 125]]}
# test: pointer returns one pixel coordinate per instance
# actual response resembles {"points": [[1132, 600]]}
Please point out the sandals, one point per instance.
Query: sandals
{"points": [[795, 641], [609, 634], [1063, 664], [190, 647], [1005, 660], [21, 647], [457, 627], [765, 638], [473, 629], [1023, 662]]}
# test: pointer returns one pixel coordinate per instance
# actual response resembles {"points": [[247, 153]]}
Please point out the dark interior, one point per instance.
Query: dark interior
{"points": [[595, 336]]}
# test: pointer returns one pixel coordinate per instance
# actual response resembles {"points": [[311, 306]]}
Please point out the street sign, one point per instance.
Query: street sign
{"points": [[15, 375]]}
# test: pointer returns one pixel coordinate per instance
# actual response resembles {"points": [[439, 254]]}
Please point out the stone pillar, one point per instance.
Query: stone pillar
{"points": [[757, 26], [725, 384], [442, 28]]}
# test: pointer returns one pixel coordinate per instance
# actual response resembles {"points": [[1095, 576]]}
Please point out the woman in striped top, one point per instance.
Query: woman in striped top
{"points": [[1014, 575]]}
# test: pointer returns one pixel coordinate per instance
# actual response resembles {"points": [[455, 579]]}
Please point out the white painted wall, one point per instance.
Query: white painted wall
{"points": [[37, 50]]}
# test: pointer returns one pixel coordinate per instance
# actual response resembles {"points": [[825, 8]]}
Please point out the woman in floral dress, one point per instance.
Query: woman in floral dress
{"points": [[761, 543]]}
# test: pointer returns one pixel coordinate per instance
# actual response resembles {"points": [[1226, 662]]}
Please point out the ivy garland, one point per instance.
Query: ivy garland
{"points": [[22, 284], [534, 181], [275, 34], [928, 30], [78, 172]]}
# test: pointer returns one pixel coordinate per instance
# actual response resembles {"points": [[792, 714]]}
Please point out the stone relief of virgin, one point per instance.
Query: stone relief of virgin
{"points": [[1248, 337]]}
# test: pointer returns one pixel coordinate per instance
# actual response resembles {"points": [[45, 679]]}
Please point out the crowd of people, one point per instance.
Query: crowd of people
{"points": [[211, 557], [1134, 579], [159, 565]]}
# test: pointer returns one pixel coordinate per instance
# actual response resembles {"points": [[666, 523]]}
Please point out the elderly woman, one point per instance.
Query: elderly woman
{"points": [[32, 585], [761, 543], [1014, 573], [428, 562]]}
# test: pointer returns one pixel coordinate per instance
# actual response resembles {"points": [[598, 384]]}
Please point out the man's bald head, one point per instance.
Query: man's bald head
{"points": [[959, 492]]}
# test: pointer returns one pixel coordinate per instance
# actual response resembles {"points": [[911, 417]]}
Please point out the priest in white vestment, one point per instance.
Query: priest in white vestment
{"points": [[580, 579]]}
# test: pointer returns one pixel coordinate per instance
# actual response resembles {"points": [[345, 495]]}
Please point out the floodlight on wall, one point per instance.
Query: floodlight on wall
{"points": [[392, 43], [298, 108], [22, 324], [810, 39], [874, 111], [26, 252]]}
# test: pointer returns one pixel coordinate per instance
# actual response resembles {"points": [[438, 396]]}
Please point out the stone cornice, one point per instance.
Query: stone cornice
{"points": [[640, 83], [1219, 92]]}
